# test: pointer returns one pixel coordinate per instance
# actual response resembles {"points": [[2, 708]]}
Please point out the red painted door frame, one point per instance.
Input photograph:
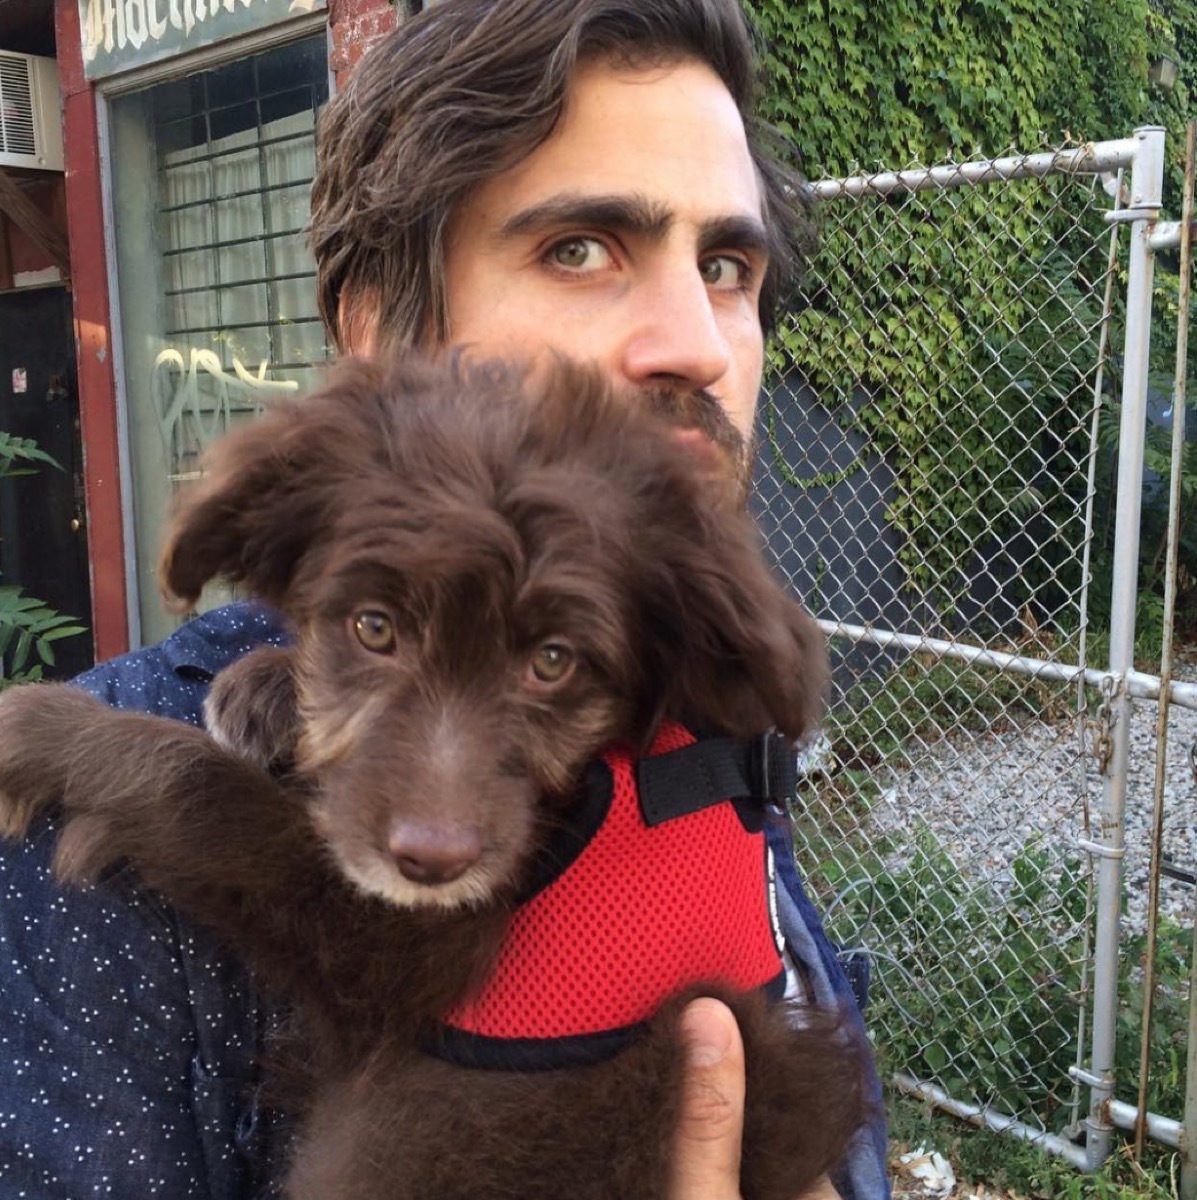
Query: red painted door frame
{"points": [[97, 392], [354, 26]]}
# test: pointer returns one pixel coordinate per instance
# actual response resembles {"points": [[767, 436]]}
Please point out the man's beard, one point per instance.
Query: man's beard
{"points": [[699, 410]]}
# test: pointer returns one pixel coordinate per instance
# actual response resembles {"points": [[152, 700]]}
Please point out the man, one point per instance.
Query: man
{"points": [[511, 176]]}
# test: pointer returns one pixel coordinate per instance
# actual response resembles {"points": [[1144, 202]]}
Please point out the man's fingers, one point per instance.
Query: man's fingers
{"points": [[707, 1151]]}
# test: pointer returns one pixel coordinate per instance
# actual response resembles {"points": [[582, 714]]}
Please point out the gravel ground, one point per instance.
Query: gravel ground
{"points": [[987, 796]]}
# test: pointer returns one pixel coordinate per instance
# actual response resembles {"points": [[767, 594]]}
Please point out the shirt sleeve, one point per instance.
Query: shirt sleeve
{"points": [[129, 1041]]}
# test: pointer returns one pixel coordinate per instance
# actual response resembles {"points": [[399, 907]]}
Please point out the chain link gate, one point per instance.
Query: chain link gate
{"points": [[950, 404]]}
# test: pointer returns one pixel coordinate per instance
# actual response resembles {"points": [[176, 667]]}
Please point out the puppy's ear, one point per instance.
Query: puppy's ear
{"points": [[740, 654], [266, 492]]}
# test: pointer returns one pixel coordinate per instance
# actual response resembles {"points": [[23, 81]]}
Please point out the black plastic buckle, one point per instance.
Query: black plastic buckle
{"points": [[774, 766]]}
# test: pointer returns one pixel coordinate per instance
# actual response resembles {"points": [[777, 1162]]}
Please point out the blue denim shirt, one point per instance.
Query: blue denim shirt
{"points": [[130, 1042]]}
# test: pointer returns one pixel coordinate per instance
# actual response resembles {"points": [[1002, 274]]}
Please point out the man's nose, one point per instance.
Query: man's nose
{"points": [[674, 335]]}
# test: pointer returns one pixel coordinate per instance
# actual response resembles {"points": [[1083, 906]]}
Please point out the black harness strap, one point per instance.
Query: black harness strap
{"points": [[479, 1051], [755, 774]]}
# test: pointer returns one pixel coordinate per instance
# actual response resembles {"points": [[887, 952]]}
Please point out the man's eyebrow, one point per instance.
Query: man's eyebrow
{"points": [[626, 213], [734, 233], [636, 215]]}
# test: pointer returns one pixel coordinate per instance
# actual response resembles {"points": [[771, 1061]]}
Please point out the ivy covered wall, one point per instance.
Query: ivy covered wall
{"points": [[860, 86], [855, 83]]}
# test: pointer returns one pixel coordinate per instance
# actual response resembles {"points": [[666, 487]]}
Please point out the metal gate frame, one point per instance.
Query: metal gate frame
{"points": [[1141, 156]]}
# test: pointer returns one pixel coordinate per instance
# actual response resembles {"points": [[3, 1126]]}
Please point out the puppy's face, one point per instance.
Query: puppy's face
{"points": [[448, 710], [488, 588]]}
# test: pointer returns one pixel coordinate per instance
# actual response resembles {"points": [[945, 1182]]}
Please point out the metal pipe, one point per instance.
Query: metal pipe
{"points": [[228, 243], [283, 139], [1160, 1129], [1084, 996], [1090, 159], [1147, 175], [1165, 236], [240, 194], [1136, 683], [218, 288], [979, 1115], [230, 284]]}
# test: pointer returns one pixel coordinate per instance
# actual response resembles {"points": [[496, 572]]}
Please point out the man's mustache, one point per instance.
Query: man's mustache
{"points": [[699, 409]]}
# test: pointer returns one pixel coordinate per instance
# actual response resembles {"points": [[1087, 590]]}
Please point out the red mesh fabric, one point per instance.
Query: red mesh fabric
{"points": [[640, 915]]}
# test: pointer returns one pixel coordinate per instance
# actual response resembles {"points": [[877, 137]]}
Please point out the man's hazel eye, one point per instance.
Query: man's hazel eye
{"points": [[375, 630], [553, 662], [723, 271], [579, 253]]}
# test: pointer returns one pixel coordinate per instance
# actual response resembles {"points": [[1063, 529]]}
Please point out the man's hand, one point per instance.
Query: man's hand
{"points": [[706, 1163]]}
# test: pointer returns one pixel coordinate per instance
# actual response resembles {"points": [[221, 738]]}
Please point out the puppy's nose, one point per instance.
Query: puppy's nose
{"points": [[430, 853]]}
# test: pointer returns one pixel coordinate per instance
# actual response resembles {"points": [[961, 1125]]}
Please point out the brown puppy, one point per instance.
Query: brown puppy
{"points": [[490, 582]]}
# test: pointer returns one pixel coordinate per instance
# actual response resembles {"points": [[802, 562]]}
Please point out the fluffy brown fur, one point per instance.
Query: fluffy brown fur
{"points": [[490, 579]]}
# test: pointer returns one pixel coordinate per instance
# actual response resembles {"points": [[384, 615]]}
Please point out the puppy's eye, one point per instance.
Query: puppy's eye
{"points": [[553, 662], [375, 630]]}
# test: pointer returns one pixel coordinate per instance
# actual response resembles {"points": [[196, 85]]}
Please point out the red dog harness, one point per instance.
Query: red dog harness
{"points": [[667, 885]]}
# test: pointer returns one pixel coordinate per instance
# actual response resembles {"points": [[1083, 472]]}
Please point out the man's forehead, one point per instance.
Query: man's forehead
{"points": [[667, 141]]}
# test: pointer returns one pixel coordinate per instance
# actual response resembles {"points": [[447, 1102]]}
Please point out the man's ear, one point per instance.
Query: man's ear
{"points": [[745, 655], [265, 493]]}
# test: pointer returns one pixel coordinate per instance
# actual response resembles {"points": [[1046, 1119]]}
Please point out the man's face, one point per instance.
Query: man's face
{"points": [[632, 239]]}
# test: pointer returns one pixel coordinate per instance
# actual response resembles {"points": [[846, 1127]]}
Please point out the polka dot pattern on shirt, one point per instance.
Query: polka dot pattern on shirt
{"points": [[130, 1042]]}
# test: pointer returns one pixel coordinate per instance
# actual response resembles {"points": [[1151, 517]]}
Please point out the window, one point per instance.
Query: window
{"points": [[211, 176]]}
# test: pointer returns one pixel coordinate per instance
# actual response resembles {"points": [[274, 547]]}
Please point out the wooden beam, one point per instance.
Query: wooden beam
{"points": [[35, 225]]}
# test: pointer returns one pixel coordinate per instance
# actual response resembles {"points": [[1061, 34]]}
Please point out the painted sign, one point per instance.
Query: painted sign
{"points": [[121, 34]]}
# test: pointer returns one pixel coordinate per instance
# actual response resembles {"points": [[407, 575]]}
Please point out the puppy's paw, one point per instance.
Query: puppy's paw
{"points": [[251, 709], [40, 724], [85, 849], [17, 810]]}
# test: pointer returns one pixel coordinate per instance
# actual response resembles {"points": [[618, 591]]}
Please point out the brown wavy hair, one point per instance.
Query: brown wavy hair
{"points": [[470, 88]]}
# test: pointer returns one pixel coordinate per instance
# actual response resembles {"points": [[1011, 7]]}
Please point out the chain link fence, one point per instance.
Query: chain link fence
{"points": [[935, 481]]}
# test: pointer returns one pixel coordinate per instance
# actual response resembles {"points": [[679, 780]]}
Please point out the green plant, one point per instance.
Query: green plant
{"points": [[979, 989], [976, 991], [852, 82], [1149, 617], [1014, 1167], [943, 334], [21, 456], [28, 627], [980, 993], [1169, 1019]]}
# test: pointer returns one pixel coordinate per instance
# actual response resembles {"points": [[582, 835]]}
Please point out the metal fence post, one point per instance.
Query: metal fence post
{"points": [[1188, 1167], [1146, 187]]}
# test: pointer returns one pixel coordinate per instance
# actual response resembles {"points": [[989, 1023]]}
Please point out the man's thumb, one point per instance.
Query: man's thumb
{"points": [[707, 1150]]}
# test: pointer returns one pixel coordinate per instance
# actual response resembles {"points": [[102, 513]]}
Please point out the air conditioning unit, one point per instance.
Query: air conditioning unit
{"points": [[30, 113]]}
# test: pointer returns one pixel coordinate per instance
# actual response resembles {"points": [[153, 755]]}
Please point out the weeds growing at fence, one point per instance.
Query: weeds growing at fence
{"points": [[1170, 1018], [1020, 1168], [978, 975], [973, 990], [979, 988]]}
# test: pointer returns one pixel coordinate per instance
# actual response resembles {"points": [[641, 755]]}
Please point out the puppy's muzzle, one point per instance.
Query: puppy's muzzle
{"points": [[432, 853]]}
